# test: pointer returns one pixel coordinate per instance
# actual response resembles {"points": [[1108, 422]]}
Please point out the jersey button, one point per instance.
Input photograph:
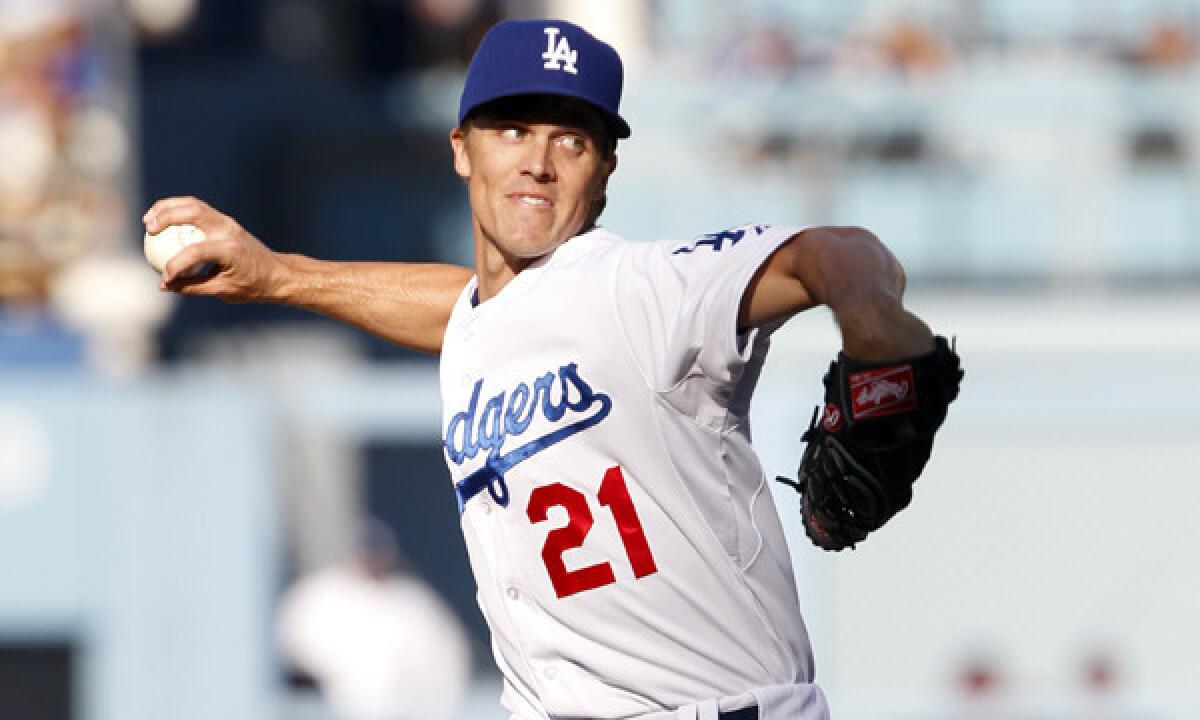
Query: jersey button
{"points": [[550, 672], [486, 507], [512, 593]]}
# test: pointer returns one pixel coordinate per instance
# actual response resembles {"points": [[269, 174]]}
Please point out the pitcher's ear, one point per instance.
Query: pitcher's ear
{"points": [[458, 144]]}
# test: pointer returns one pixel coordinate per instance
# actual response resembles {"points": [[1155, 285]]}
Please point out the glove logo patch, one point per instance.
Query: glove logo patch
{"points": [[831, 419], [882, 391]]}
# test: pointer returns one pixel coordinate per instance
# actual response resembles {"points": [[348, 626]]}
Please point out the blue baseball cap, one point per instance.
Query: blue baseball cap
{"points": [[549, 57]]}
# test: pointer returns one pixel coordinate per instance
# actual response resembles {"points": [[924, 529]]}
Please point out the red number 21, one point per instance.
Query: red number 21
{"points": [[615, 496]]}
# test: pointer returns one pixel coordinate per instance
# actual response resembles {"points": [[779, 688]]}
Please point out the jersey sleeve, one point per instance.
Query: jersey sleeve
{"points": [[678, 303]]}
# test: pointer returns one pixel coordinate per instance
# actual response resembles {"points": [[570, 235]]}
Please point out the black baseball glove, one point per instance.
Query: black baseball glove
{"points": [[872, 442]]}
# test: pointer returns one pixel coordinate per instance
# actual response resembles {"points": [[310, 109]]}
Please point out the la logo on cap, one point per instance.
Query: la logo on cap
{"points": [[560, 56]]}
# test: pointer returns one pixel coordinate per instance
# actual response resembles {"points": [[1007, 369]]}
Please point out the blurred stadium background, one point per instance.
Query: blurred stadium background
{"points": [[171, 471]]}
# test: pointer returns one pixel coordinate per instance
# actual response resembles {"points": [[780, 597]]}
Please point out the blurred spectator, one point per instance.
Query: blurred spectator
{"points": [[764, 49], [402, 35], [913, 48], [162, 17], [1099, 678], [902, 46], [1102, 688], [1167, 45], [379, 642], [449, 30], [981, 689], [64, 150]]}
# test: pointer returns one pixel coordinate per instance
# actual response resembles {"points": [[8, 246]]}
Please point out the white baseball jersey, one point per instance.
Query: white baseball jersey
{"points": [[629, 558]]}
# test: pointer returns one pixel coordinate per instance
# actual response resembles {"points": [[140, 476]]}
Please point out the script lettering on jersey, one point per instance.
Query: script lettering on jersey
{"points": [[508, 415], [560, 56], [719, 241]]}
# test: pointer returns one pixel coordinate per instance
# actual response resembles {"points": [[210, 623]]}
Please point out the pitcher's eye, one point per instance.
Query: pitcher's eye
{"points": [[574, 143]]}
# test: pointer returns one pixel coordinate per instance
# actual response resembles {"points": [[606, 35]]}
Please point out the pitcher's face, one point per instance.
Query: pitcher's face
{"points": [[533, 184]]}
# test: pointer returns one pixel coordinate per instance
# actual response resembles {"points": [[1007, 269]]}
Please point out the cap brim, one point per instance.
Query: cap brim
{"points": [[615, 122]]}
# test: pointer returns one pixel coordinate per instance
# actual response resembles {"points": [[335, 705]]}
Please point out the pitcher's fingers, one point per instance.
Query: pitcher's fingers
{"points": [[207, 285], [178, 211], [208, 282], [211, 286], [191, 256], [174, 201], [201, 216]]}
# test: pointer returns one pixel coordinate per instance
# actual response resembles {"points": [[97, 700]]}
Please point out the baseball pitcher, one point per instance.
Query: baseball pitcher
{"points": [[596, 395]]}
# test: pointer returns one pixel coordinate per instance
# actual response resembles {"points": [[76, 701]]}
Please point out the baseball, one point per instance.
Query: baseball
{"points": [[161, 247]]}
